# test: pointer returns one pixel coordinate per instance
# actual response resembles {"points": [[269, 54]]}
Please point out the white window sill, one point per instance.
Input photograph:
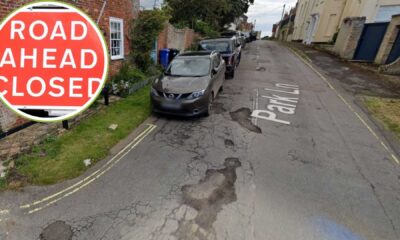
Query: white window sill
{"points": [[117, 58]]}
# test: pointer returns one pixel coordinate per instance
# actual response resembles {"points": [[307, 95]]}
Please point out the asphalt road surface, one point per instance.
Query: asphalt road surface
{"points": [[308, 166]]}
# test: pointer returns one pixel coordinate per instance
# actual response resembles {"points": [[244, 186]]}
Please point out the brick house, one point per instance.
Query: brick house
{"points": [[111, 14]]}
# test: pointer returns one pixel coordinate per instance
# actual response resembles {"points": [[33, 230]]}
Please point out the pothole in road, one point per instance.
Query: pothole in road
{"points": [[294, 157], [208, 197], [261, 69], [58, 230], [229, 143], [242, 116]]}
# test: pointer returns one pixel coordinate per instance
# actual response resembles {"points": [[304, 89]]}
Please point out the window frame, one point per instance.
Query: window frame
{"points": [[122, 47], [216, 61]]}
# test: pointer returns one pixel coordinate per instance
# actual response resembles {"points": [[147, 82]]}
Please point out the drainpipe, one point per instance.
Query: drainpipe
{"points": [[105, 89], [283, 11], [101, 12]]}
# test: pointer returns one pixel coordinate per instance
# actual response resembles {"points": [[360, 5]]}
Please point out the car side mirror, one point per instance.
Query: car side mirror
{"points": [[215, 70]]}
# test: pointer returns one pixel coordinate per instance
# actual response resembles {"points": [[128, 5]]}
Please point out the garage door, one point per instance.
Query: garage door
{"points": [[385, 13], [370, 41]]}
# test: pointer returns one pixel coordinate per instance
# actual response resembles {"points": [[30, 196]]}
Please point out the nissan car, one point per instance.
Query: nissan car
{"points": [[189, 85]]}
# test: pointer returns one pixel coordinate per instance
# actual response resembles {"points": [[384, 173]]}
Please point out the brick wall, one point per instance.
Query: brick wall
{"points": [[123, 9], [172, 37], [162, 38]]}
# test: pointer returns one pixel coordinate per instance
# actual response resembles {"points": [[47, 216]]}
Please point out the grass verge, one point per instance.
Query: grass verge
{"points": [[61, 158], [387, 111]]}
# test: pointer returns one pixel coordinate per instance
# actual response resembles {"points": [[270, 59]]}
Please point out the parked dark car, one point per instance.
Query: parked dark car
{"points": [[247, 36], [229, 48], [238, 34], [253, 36], [189, 85]]}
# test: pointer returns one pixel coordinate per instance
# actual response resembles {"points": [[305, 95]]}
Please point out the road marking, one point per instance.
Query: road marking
{"points": [[255, 104], [92, 177], [257, 97], [391, 153], [4, 212], [278, 104]]}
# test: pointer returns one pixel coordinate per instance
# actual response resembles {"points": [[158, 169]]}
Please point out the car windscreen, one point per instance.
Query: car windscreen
{"points": [[189, 67], [219, 46]]}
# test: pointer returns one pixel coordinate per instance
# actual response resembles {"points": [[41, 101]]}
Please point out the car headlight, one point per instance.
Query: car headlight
{"points": [[154, 92], [197, 94]]}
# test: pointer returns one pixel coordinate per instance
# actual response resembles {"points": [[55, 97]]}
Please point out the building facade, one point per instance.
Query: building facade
{"points": [[372, 10], [114, 18], [318, 21], [284, 31]]}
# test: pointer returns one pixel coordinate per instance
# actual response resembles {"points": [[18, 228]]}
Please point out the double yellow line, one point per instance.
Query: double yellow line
{"points": [[349, 106], [54, 198]]}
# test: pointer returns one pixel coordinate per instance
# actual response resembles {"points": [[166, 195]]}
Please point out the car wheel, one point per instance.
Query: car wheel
{"points": [[232, 74], [209, 106]]}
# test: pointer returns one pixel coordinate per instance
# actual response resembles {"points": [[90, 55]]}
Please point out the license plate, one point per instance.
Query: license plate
{"points": [[171, 105]]}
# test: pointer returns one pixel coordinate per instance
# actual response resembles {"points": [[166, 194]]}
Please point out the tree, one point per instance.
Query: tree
{"points": [[237, 8], [190, 11], [145, 31], [216, 13]]}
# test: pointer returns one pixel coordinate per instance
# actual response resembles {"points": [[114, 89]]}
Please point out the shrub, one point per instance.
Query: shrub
{"points": [[145, 32], [205, 29], [334, 38], [181, 25], [125, 78]]}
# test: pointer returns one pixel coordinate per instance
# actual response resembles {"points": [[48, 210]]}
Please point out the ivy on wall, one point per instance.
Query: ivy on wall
{"points": [[145, 31]]}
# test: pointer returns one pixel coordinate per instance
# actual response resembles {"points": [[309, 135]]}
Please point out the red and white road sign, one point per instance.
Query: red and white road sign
{"points": [[52, 57]]}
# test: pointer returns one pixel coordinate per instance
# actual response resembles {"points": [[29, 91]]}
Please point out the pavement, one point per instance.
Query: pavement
{"points": [[357, 78], [286, 154]]}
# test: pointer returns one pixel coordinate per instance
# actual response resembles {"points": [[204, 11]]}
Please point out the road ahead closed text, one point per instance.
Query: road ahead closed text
{"points": [[56, 63]]}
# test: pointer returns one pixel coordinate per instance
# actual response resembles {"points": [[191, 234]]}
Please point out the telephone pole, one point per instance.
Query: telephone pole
{"points": [[283, 11]]}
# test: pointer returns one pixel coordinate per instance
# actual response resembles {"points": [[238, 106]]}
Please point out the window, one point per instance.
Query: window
{"points": [[385, 13], [116, 38], [220, 46], [186, 67]]}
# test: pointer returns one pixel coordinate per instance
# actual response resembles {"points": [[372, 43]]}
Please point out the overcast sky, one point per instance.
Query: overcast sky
{"points": [[150, 3], [266, 12]]}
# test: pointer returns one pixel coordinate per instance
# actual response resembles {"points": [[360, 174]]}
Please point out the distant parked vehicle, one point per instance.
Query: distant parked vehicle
{"points": [[229, 48], [253, 36], [239, 35], [189, 85], [230, 34], [247, 36], [243, 40]]}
